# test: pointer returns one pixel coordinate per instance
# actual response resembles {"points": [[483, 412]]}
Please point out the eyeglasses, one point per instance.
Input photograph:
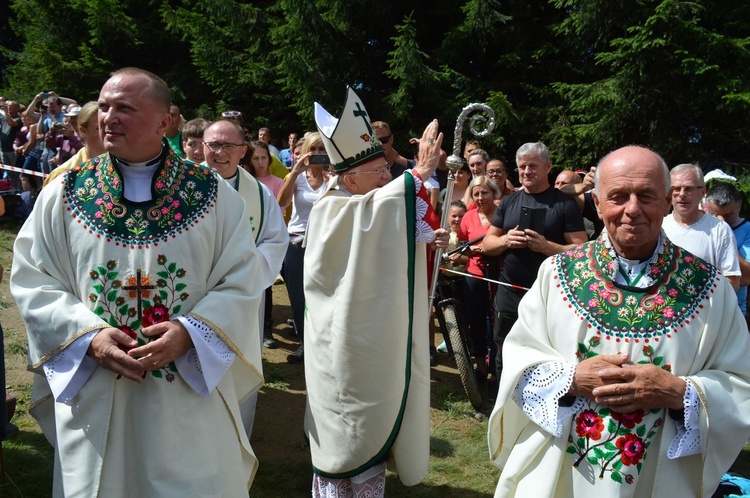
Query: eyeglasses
{"points": [[385, 139], [380, 171], [231, 114], [687, 189], [217, 146], [496, 172]]}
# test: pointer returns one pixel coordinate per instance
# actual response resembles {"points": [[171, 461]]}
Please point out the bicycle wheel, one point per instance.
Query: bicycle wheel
{"points": [[463, 359]]}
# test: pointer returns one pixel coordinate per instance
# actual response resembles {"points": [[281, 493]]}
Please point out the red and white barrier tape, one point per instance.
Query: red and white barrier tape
{"points": [[22, 170], [484, 278]]}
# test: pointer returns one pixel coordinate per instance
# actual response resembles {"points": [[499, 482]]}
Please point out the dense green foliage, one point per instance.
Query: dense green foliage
{"points": [[585, 76]]}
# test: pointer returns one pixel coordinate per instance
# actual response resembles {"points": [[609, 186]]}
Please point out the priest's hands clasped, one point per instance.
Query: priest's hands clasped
{"points": [[114, 350], [625, 387]]}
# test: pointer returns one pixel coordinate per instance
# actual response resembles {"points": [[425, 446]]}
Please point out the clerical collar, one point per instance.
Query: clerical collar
{"points": [[137, 177], [635, 273], [234, 180], [150, 162]]}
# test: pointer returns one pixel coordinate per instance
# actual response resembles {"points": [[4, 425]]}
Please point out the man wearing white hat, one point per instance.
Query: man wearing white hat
{"points": [[366, 335]]}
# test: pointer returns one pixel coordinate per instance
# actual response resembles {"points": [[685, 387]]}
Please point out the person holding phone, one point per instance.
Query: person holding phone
{"points": [[521, 247], [474, 224], [305, 184]]}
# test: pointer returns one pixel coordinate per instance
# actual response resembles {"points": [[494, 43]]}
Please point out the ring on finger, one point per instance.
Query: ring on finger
{"points": [[432, 140]]}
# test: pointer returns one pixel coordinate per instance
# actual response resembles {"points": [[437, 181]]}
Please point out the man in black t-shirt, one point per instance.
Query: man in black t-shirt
{"points": [[522, 249]]}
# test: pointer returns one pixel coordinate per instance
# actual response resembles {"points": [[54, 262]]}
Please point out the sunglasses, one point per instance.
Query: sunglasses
{"points": [[231, 114], [385, 139]]}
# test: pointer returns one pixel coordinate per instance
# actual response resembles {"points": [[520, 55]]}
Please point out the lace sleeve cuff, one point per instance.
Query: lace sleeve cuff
{"points": [[204, 365], [687, 441], [424, 232], [69, 370], [539, 391]]}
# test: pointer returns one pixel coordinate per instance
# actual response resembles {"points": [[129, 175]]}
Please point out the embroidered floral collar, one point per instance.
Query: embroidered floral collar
{"points": [[182, 193], [679, 282], [614, 262]]}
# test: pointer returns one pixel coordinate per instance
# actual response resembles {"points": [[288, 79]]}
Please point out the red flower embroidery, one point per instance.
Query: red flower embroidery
{"points": [[629, 420], [589, 424], [155, 314], [632, 449], [129, 331]]}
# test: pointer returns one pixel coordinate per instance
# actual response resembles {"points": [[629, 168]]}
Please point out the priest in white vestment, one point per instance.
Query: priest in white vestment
{"points": [[223, 147], [627, 373], [135, 277], [366, 336]]}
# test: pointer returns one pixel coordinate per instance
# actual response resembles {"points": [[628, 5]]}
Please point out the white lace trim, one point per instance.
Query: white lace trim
{"points": [[203, 366], [69, 370], [368, 484], [424, 232], [688, 439], [538, 394]]}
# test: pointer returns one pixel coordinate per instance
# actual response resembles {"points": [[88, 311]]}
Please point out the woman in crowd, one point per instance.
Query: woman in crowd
{"points": [[474, 224], [259, 167], [88, 131], [260, 164], [460, 186], [306, 183], [31, 150]]}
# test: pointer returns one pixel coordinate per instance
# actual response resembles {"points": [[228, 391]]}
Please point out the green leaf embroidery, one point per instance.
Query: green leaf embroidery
{"points": [[611, 426]]}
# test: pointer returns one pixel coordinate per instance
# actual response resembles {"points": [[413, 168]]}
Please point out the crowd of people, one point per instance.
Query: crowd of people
{"points": [[588, 318]]}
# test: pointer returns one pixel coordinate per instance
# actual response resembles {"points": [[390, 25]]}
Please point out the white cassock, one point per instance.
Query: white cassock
{"points": [[684, 320], [366, 336], [272, 240], [88, 258]]}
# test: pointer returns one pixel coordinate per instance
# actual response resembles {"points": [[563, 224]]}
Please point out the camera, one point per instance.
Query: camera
{"points": [[57, 127], [319, 159]]}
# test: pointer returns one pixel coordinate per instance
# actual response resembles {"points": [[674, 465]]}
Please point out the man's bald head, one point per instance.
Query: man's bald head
{"points": [[644, 153], [567, 177], [632, 198]]}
